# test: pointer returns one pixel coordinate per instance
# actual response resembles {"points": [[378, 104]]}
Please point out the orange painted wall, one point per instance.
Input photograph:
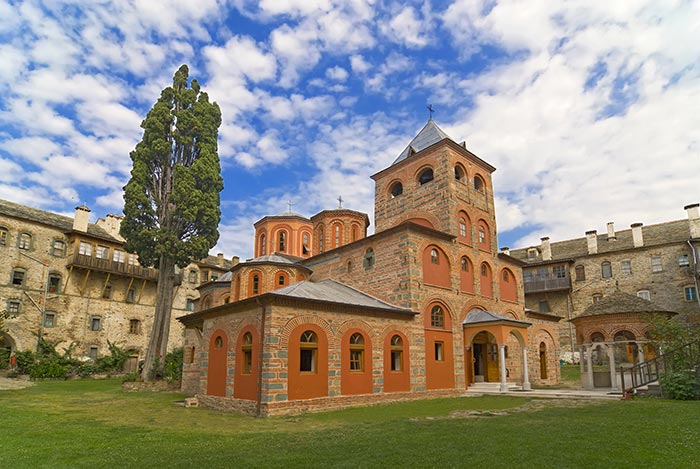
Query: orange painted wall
{"points": [[245, 386], [396, 381], [356, 382], [439, 374], [436, 274], [466, 278], [306, 385], [216, 370], [508, 288], [486, 280]]}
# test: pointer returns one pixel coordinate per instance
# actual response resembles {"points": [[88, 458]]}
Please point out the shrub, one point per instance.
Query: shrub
{"points": [[4, 358], [130, 377], [680, 385], [115, 361], [25, 361], [169, 369]]}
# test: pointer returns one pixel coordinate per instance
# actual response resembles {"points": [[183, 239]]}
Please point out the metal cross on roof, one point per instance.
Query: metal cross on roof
{"points": [[431, 110], [340, 201], [289, 203]]}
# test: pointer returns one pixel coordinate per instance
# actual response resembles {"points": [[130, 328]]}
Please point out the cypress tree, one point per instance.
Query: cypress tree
{"points": [[171, 202]]}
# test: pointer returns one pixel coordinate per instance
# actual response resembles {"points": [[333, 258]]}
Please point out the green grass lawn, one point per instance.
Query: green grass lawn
{"points": [[95, 424]]}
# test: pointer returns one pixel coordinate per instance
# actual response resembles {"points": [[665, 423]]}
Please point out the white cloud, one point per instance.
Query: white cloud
{"points": [[406, 28], [337, 73]]}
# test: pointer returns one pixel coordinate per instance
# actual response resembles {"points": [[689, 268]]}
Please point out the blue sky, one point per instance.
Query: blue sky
{"points": [[588, 109]]}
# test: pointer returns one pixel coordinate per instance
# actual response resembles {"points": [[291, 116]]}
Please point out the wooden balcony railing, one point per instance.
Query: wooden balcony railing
{"points": [[110, 266], [545, 284]]}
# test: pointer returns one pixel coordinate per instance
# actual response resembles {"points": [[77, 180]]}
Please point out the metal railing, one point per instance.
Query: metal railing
{"points": [[649, 371], [120, 268]]}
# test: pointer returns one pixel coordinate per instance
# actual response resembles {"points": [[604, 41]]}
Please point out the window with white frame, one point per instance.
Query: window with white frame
{"points": [[606, 269], [3, 235], [58, 248], [95, 323], [656, 265], [559, 271], [691, 294], [102, 252], [24, 241], [646, 294], [119, 256], [683, 260], [85, 249], [626, 267]]}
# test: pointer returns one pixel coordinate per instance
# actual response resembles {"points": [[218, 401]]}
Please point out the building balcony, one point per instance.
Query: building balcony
{"points": [[112, 267], [546, 284]]}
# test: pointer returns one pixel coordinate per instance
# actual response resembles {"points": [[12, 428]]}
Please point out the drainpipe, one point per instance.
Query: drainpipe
{"points": [[695, 270], [260, 356]]}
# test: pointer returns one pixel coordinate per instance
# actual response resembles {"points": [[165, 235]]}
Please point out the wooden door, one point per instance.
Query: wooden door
{"points": [[492, 363]]}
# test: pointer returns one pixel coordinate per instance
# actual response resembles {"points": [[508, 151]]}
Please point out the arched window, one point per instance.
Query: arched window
{"points": [[507, 288], [462, 227], [283, 241], [320, 239], [305, 244], [434, 257], [396, 189], [506, 277], [219, 342], [478, 183], [580, 273], [396, 353], [336, 235], [606, 269], [425, 176], [624, 336], [256, 284], [368, 259], [355, 232], [282, 279], [357, 352], [24, 241], [484, 235], [460, 173], [308, 353], [247, 351], [597, 337], [263, 244], [437, 317], [349, 265]]}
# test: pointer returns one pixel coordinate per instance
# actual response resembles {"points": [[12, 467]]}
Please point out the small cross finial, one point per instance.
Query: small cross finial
{"points": [[289, 204], [340, 201], [431, 110]]}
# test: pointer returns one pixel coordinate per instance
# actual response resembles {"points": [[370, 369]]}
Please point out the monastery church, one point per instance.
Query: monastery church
{"points": [[325, 316]]}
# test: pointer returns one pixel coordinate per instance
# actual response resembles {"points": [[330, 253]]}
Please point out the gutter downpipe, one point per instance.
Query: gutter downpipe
{"points": [[695, 270], [262, 351]]}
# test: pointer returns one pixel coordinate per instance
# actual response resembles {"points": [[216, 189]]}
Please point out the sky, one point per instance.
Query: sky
{"points": [[589, 110]]}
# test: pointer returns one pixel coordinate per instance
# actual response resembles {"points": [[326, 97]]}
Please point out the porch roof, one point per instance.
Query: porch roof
{"points": [[481, 317]]}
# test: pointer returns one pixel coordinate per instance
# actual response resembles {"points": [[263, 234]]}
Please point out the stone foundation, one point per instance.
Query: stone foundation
{"points": [[321, 404]]}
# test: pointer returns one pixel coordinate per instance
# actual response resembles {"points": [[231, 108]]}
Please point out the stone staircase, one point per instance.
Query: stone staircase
{"points": [[478, 388]]}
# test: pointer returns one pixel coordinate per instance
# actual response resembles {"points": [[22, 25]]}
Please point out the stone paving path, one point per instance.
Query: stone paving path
{"points": [[12, 383]]}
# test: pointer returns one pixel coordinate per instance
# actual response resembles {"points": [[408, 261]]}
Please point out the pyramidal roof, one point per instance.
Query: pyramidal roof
{"points": [[427, 136]]}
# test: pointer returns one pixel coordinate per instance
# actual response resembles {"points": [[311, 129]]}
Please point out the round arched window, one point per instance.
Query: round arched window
{"points": [[437, 317], [396, 189], [460, 174], [478, 183], [425, 176]]}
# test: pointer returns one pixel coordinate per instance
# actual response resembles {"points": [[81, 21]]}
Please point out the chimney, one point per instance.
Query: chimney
{"points": [[637, 238], [592, 241], [111, 224], [611, 231], [546, 249], [220, 259], [236, 260], [505, 250], [80, 222], [693, 219]]}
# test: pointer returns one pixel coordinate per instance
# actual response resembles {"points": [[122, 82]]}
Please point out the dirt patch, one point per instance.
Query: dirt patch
{"points": [[12, 383], [533, 405]]}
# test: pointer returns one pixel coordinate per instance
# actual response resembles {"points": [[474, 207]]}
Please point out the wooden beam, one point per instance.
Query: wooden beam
{"points": [[85, 281], [104, 286]]}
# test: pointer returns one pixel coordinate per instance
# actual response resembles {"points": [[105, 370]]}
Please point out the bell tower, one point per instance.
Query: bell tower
{"points": [[438, 183]]}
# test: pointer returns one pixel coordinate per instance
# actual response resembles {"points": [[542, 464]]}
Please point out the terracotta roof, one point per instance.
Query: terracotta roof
{"points": [[61, 222], [653, 235], [213, 261], [620, 302]]}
